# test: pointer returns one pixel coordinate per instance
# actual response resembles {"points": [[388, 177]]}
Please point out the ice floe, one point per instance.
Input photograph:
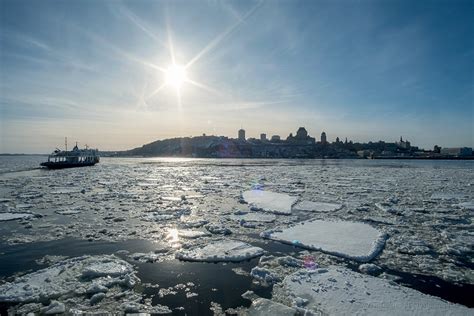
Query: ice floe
{"points": [[68, 212], [9, 216], [69, 277], [192, 234], [340, 291], [65, 191], [263, 306], [221, 251], [370, 268], [447, 195], [193, 222], [466, 205], [265, 275], [311, 206], [345, 239], [254, 217], [278, 203], [218, 229], [148, 257]]}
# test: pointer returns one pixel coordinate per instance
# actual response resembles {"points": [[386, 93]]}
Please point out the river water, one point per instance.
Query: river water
{"points": [[124, 206]]}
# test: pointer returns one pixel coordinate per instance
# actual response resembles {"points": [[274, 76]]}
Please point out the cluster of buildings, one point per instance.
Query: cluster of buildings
{"points": [[301, 138], [398, 149], [299, 145]]}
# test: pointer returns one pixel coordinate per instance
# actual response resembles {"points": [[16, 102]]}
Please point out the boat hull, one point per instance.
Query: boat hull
{"points": [[63, 165]]}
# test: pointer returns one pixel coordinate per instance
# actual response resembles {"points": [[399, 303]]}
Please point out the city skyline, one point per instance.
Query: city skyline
{"points": [[116, 75]]}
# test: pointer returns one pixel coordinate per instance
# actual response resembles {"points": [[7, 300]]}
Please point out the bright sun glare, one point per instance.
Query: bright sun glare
{"points": [[175, 75]]}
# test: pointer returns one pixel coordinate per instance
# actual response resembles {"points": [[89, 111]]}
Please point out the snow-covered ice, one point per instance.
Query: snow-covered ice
{"points": [[263, 307], [466, 205], [278, 203], [221, 251], [148, 257], [340, 291], [447, 195], [191, 234], [311, 206], [345, 239], [68, 277], [264, 275], [218, 229], [369, 268], [254, 217], [68, 212]]}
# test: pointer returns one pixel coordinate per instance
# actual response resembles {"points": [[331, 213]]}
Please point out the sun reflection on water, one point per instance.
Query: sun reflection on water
{"points": [[173, 238]]}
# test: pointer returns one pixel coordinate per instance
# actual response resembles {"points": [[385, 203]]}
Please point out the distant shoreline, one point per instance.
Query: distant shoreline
{"points": [[279, 158], [4, 154], [269, 158]]}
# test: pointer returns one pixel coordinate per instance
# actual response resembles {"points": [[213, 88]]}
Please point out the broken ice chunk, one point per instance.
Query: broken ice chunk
{"points": [[466, 205], [9, 216], [221, 251], [54, 307], [68, 212], [254, 217], [192, 234], [264, 275], [106, 268], [263, 306], [66, 277], [311, 206], [65, 190], [218, 229], [369, 268], [447, 195]]}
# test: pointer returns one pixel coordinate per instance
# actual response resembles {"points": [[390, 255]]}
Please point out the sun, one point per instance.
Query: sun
{"points": [[175, 75]]}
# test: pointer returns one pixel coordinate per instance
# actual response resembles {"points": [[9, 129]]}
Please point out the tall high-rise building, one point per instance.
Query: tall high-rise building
{"points": [[323, 138], [241, 134], [263, 137]]}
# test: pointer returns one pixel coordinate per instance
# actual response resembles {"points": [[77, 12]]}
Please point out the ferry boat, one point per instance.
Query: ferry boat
{"points": [[60, 159]]}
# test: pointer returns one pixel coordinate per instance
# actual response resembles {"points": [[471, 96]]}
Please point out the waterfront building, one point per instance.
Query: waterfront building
{"points": [[275, 138], [301, 138], [323, 138], [403, 144], [301, 133], [242, 135], [263, 137], [457, 151]]}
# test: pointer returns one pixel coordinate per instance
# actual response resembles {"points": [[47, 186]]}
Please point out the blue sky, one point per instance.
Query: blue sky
{"points": [[366, 70]]}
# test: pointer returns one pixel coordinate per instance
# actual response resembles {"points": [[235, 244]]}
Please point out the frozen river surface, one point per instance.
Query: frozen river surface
{"points": [[202, 236]]}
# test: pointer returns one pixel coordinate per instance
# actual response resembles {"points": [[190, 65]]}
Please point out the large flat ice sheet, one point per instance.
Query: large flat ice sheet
{"points": [[278, 203], [350, 240], [340, 291]]}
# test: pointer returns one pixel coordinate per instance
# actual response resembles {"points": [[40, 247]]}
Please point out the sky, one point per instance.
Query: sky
{"points": [[98, 72]]}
